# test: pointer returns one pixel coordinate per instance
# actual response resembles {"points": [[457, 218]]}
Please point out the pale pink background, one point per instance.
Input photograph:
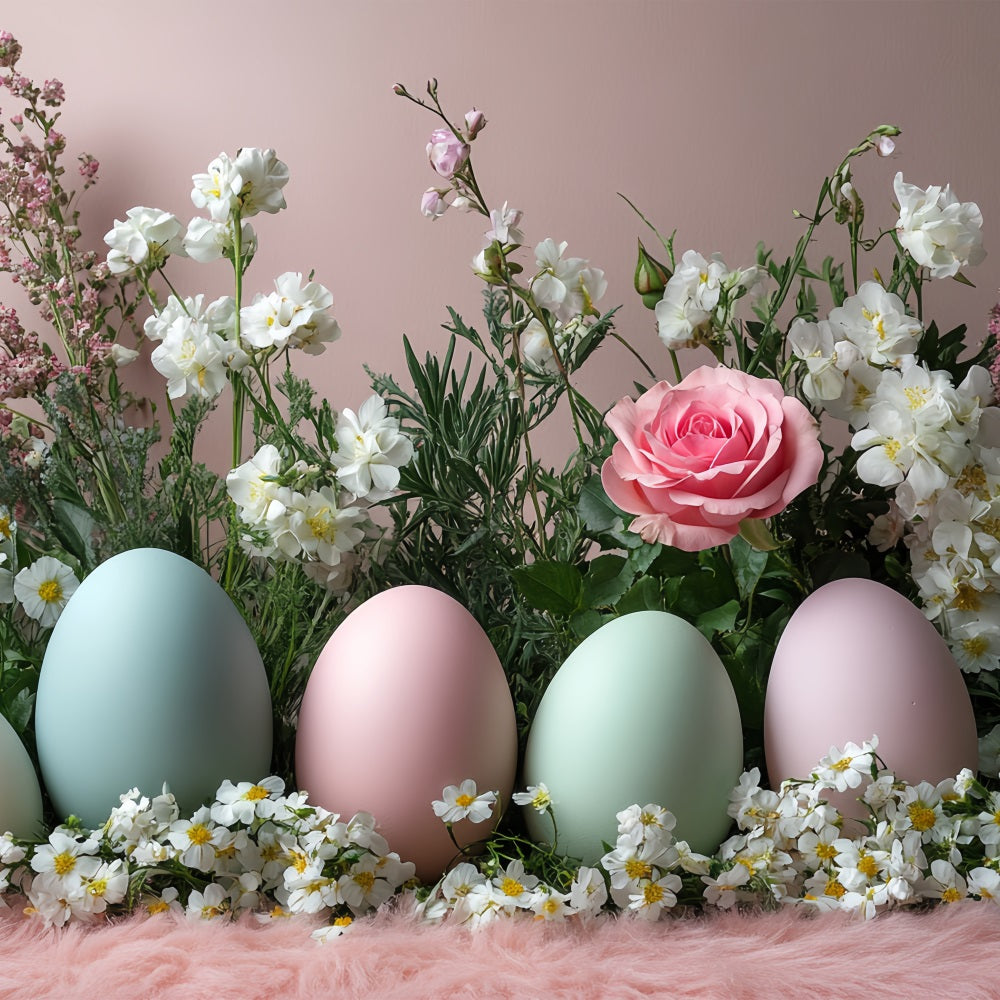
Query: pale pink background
{"points": [[717, 118]]}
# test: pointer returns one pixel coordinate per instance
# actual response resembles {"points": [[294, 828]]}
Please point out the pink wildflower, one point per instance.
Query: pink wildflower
{"points": [[10, 49]]}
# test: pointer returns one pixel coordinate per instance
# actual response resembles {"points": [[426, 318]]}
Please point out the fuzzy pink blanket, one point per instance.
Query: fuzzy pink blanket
{"points": [[950, 952]]}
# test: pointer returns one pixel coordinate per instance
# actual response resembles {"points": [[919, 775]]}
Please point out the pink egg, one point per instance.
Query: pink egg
{"points": [[857, 660], [407, 696]]}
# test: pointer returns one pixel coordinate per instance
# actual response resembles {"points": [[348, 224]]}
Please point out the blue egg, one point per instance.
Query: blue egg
{"points": [[20, 796], [151, 677]]}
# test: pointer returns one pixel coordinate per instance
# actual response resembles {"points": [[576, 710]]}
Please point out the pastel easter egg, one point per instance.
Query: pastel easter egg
{"points": [[151, 676], [642, 711], [857, 660], [20, 795], [408, 696]]}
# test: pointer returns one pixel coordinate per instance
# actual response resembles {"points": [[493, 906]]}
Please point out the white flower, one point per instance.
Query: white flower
{"points": [[66, 857], [6, 581], [207, 240], [548, 904], [537, 796], [254, 489], [876, 322], [652, 897], [463, 802], [985, 883], [246, 801], [322, 529], [294, 315], [845, 770], [107, 885], [504, 226], [263, 176], [361, 888], [122, 356], [945, 883], [721, 891], [588, 891], [370, 450], [339, 925], [43, 588], [192, 359], [514, 887], [147, 236], [207, 905], [197, 838], [937, 230], [567, 287], [989, 753], [218, 189]]}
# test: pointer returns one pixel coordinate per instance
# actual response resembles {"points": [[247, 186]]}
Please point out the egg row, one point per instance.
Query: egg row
{"points": [[151, 675]]}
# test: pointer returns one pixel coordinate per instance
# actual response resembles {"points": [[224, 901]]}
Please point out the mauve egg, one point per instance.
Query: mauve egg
{"points": [[151, 675], [408, 696], [857, 659]]}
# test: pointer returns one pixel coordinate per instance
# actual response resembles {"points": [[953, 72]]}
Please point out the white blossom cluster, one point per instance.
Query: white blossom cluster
{"points": [[935, 443], [256, 849], [290, 514], [699, 294], [198, 345], [253, 849]]}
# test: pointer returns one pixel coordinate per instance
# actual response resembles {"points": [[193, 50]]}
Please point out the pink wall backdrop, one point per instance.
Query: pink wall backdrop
{"points": [[717, 118]]}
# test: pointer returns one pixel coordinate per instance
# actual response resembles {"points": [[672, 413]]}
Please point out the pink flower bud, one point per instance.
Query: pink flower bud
{"points": [[884, 146], [446, 152], [475, 121], [432, 204]]}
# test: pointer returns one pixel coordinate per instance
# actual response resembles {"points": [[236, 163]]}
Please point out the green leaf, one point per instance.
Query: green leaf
{"points": [[585, 623], [757, 534], [74, 527], [550, 586], [721, 619], [643, 596], [748, 565], [596, 510]]}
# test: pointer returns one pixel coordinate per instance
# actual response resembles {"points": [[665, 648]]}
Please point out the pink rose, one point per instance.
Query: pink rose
{"points": [[695, 459], [446, 152]]}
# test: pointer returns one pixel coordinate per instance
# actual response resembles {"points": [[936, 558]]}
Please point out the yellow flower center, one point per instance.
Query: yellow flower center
{"points": [[916, 397], [841, 765], [64, 863], [343, 921], [973, 481], [551, 905], [867, 866], [97, 886], [921, 816], [298, 860], [511, 887], [464, 801], [323, 526], [826, 852], [635, 868], [255, 793], [950, 895], [50, 591], [966, 598], [652, 893], [834, 888], [366, 880], [157, 906], [199, 834], [975, 646], [891, 448], [5, 529]]}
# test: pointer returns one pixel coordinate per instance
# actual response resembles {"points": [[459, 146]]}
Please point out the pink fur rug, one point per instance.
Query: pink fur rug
{"points": [[950, 952]]}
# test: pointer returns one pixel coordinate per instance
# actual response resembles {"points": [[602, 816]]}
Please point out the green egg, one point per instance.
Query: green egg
{"points": [[641, 712], [20, 795]]}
